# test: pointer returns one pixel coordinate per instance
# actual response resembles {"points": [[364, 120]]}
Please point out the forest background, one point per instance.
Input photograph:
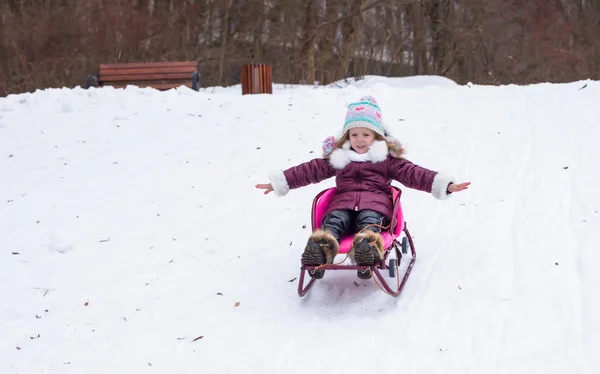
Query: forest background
{"points": [[56, 43]]}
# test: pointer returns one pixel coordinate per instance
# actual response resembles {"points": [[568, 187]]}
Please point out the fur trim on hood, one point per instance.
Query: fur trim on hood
{"points": [[378, 151], [340, 157]]}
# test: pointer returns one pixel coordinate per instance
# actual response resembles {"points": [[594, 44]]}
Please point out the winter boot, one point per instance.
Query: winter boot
{"points": [[322, 247], [367, 248]]}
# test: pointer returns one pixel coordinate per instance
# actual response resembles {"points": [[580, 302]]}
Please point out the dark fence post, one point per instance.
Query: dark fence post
{"points": [[257, 79]]}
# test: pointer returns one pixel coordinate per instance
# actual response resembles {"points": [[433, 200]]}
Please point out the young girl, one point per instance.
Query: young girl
{"points": [[364, 160]]}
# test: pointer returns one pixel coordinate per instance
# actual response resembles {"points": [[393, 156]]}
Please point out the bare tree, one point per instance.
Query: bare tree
{"points": [[56, 43]]}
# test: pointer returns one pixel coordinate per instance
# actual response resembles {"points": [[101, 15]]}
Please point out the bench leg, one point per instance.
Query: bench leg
{"points": [[196, 81], [91, 81]]}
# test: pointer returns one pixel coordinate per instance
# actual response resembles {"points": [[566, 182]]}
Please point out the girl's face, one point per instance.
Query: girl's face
{"points": [[361, 139]]}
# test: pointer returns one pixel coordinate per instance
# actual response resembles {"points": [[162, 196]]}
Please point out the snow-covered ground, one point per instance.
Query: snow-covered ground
{"points": [[134, 241]]}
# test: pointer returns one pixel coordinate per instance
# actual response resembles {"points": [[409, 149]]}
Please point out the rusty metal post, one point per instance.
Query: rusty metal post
{"points": [[257, 79]]}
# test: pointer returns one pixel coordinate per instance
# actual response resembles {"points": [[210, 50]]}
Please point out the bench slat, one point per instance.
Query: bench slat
{"points": [[135, 65], [145, 77], [182, 69]]}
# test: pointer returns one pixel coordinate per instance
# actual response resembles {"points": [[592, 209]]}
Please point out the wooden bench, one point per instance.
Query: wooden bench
{"points": [[159, 75]]}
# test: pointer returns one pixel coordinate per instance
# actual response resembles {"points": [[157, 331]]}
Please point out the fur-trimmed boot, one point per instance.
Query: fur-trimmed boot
{"points": [[322, 247], [367, 248]]}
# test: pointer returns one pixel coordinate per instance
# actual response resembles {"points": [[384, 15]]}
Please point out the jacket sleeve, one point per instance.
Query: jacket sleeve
{"points": [[420, 178], [304, 174]]}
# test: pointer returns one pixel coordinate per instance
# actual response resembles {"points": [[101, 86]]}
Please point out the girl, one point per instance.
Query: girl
{"points": [[364, 161]]}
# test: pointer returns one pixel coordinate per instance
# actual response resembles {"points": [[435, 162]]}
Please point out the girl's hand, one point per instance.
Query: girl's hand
{"points": [[266, 187], [458, 187]]}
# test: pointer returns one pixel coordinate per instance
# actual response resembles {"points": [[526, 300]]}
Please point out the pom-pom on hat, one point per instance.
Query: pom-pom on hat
{"points": [[364, 113]]}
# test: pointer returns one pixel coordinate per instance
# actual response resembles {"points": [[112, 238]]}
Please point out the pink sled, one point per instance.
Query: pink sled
{"points": [[390, 239]]}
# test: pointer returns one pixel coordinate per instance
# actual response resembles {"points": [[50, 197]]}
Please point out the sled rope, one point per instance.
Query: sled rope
{"points": [[335, 263], [372, 225], [397, 277], [379, 285]]}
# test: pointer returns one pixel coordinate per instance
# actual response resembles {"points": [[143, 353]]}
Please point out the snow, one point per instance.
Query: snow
{"points": [[419, 81], [131, 229]]}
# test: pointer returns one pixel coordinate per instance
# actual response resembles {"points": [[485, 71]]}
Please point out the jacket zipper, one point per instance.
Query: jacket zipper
{"points": [[359, 185]]}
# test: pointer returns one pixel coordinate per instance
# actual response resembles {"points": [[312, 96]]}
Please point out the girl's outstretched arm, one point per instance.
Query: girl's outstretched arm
{"points": [[281, 182], [440, 185]]}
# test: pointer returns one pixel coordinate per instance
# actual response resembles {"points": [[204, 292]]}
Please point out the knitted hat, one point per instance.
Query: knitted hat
{"points": [[364, 113]]}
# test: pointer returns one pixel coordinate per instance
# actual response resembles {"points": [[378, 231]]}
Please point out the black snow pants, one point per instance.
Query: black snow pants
{"points": [[345, 222]]}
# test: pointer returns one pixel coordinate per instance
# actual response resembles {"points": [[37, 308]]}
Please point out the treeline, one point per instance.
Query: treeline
{"points": [[55, 43]]}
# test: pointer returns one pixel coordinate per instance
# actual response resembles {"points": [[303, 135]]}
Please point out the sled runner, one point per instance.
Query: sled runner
{"points": [[391, 243]]}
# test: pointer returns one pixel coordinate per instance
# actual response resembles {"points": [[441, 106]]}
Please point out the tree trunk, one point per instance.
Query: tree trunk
{"points": [[419, 48], [258, 31], [307, 45], [224, 34], [349, 34]]}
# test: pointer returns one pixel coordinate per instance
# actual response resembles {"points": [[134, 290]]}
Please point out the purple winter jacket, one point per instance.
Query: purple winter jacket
{"points": [[363, 185]]}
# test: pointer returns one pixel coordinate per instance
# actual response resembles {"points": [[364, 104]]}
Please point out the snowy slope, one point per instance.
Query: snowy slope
{"points": [[131, 229]]}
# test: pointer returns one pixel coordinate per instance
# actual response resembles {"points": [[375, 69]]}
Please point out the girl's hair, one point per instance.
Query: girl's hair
{"points": [[390, 145], [344, 138]]}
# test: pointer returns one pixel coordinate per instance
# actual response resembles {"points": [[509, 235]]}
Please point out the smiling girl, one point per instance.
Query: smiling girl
{"points": [[364, 159]]}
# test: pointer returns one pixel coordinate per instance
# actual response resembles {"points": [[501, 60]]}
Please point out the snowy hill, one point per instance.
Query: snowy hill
{"points": [[134, 240]]}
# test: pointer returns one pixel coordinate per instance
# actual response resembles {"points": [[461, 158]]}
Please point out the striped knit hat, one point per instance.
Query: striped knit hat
{"points": [[364, 113]]}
